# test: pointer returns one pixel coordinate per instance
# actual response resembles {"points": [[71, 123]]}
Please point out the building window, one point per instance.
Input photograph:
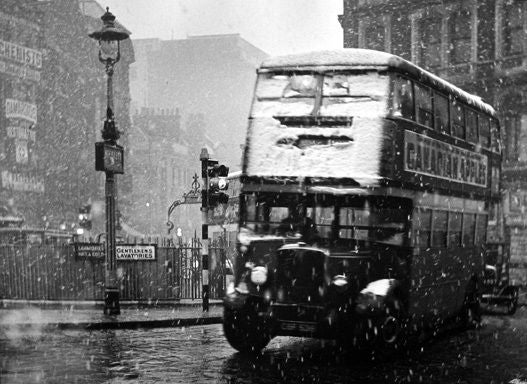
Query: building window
{"points": [[515, 134], [522, 149], [512, 130], [429, 50], [513, 34], [374, 35], [459, 32]]}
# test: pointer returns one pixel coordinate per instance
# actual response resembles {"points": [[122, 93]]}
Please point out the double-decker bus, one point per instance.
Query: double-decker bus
{"points": [[367, 184]]}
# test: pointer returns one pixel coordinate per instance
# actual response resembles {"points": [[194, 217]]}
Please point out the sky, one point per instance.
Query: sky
{"points": [[275, 26]]}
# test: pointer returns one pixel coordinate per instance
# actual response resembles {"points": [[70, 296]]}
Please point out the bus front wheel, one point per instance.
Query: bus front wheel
{"points": [[245, 331], [393, 327]]}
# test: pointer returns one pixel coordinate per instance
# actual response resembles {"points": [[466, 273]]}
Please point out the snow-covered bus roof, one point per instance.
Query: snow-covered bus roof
{"points": [[365, 59]]}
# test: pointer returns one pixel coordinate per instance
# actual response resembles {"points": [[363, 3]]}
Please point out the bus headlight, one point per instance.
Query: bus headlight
{"points": [[242, 288], [340, 282], [230, 288], [259, 275]]}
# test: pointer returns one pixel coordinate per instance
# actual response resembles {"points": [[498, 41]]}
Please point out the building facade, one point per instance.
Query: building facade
{"points": [[52, 104], [163, 167], [185, 95], [480, 46], [210, 79]]}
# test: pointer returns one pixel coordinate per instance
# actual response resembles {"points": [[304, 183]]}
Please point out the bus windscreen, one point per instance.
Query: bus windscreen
{"points": [[334, 220], [342, 94]]}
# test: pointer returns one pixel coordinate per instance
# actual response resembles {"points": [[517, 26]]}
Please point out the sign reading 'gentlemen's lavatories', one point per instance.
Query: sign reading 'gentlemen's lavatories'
{"points": [[135, 252], [427, 156]]}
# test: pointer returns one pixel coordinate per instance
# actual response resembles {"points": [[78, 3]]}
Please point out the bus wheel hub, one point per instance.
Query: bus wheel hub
{"points": [[390, 329]]}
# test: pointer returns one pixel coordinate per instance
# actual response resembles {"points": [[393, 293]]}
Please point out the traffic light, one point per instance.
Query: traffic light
{"points": [[85, 217], [218, 184]]}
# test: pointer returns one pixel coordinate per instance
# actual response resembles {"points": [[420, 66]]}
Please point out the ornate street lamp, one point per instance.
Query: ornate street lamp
{"points": [[108, 155]]}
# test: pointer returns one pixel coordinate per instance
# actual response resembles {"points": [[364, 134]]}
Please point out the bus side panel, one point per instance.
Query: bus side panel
{"points": [[425, 289], [439, 279], [457, 266]]}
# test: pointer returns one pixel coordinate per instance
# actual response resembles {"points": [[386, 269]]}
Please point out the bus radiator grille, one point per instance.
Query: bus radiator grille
{"points": [[300, 277]]}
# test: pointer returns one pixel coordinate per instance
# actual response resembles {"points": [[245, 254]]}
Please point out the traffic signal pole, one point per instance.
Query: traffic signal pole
{"points": [[215, 184], [204, 158]]}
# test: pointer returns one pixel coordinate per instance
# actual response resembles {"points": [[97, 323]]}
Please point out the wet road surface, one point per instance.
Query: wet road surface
{"points": [[496, 353]]}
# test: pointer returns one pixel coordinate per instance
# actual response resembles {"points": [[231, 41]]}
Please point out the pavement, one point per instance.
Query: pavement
{"points": [[80, 316], [90, 316]]}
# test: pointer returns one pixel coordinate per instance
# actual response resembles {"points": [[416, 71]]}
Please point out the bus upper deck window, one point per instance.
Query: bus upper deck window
{"points": [[458, 119], [484, 131], [284, 95], [423, 105], [336, 85], [301, 86], [472, 126], [356, 93], [403, 98], [441, 114], [273, 86]]}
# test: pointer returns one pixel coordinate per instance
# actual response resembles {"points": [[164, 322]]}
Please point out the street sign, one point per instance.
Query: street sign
{"points": [[135, 252], [109, 158], [89, 250]]}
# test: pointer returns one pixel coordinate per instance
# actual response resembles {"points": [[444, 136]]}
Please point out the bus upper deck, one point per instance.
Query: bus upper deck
{"points": [[369, 118]]}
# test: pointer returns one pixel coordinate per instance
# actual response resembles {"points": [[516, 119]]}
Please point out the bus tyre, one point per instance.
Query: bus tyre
{"points": [[393, 324], [244, 331], [512, 302], [471, 311]]}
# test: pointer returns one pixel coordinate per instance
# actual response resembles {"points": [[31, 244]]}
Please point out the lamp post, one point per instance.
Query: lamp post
{"points": [[108, 154]]}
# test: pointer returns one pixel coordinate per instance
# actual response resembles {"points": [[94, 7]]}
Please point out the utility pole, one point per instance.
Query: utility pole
{"points": [[215, 184]]}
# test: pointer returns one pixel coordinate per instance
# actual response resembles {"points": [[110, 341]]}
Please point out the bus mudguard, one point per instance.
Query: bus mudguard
{"points": [[373, 299]]}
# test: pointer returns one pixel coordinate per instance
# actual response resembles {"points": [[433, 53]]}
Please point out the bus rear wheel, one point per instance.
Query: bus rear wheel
{"points": [[245, 331], [512, 302]]}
